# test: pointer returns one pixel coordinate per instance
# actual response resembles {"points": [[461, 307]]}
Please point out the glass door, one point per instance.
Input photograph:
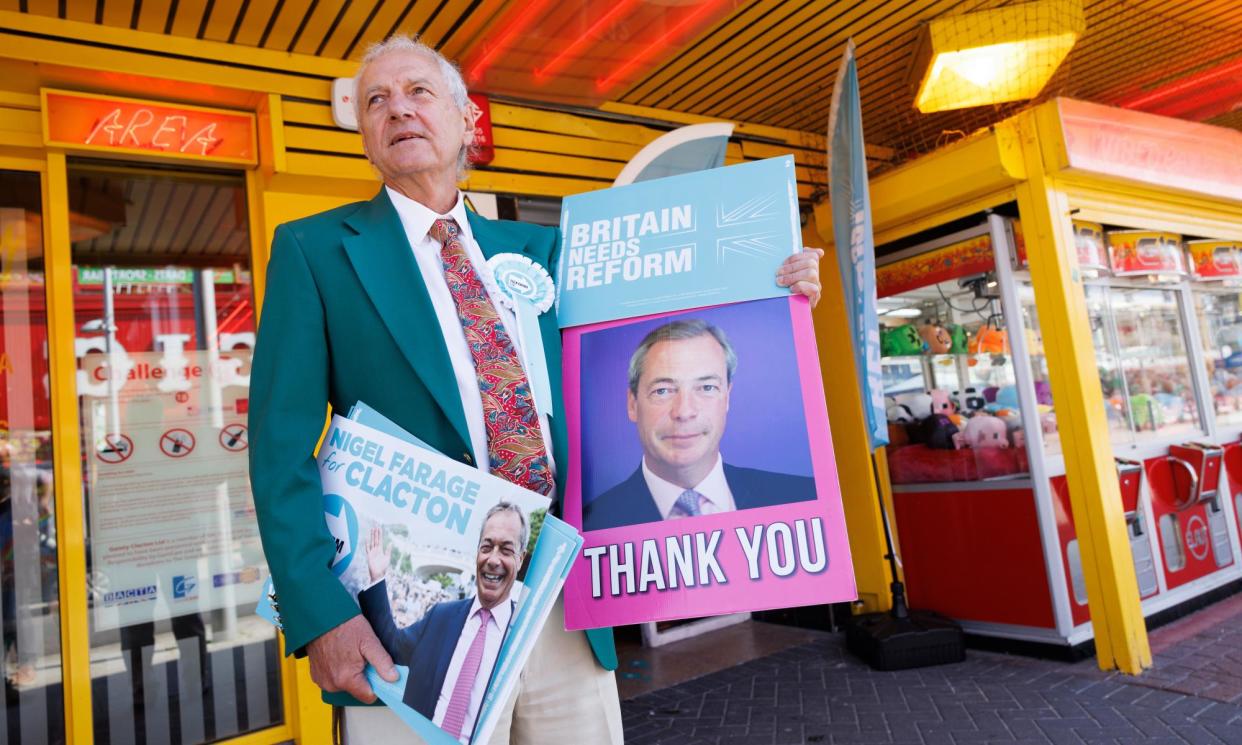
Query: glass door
{"points": [[164, 319], [29, 610]]}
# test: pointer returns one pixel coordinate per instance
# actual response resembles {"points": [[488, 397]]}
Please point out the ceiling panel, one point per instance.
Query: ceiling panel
{"points": [[767, 62]]}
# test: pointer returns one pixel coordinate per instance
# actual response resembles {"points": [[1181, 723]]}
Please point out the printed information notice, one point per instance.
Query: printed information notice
{"points": [[173, 528]]}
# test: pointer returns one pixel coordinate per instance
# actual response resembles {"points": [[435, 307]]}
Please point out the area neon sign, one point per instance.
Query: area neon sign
{"points": [[127, 126]]}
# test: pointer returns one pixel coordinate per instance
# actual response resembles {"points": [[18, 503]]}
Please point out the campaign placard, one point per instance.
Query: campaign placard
{"points": [[685, 241], [701, 466], [431, 549]]}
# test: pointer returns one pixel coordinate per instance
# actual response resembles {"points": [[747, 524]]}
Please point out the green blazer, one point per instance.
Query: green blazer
{"points": [[346, 318]]}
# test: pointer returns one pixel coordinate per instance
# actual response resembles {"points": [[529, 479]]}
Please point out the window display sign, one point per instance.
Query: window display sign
{"points": [[1089, 241], [172, 519], [1140, 252], [1214, 260], [961, 259]]}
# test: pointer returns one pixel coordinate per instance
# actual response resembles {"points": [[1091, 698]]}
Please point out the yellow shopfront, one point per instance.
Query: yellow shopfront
{"points": [[132, 561], [141, 178], [1070, 469]]}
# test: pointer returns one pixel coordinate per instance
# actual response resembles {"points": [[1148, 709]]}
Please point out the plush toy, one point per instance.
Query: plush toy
{"points": [[900, 341], [898, 414], [988, 340], [941, 402], [957, 332], [984, 431], [1048, 422], [1007, 396], [1043, 393], [936, 338], [972, 401], [897, 435], [918, 403], [937, 432]]}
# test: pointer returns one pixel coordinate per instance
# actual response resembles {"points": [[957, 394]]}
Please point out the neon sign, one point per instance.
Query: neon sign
{"points": [[82, 121]]}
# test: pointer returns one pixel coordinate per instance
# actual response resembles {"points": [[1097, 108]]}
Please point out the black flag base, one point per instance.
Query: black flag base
{"points": [[921, 639], [902, 639]]}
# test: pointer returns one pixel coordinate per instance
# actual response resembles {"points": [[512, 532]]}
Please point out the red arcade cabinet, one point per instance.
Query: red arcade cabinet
{"points": [[976, 463]]}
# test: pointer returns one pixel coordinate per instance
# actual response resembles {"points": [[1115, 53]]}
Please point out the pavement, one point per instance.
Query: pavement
{"points": [[816, 692]]}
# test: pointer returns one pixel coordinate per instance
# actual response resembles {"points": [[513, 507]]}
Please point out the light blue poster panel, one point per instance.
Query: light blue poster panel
{"points": [[674, 243]]}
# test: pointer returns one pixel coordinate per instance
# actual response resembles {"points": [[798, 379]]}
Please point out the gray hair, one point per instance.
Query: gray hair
{"points": [[680, 331], [448, 70], [508, 507]]}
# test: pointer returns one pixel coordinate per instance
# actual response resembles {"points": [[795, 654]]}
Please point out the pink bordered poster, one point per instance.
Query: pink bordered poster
{"points": [[701, 466]]}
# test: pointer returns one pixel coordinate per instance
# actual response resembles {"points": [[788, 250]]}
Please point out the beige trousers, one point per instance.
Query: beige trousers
{"points": [[563, 697]]}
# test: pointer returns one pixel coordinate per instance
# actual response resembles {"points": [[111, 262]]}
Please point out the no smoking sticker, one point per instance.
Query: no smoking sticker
{"points": [[177, 443], [234, 438], [114, 448]]}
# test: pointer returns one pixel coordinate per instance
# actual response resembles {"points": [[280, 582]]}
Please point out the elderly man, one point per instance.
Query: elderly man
{"points": [[384, 302], [680, 380], [448, 675]]}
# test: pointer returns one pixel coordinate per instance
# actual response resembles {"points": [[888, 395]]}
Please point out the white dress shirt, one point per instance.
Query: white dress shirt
{"points": [[714, 488], [497, 625], [417, 221]]}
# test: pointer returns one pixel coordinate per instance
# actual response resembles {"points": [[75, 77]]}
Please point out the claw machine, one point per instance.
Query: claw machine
{"points": [[977, 462]]}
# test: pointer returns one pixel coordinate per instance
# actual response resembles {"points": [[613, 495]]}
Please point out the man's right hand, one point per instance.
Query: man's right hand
{"points": [[377, 557], [339, 656]]}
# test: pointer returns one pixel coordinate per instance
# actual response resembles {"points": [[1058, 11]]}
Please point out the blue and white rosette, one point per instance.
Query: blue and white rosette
{"points": [[526, 288]]}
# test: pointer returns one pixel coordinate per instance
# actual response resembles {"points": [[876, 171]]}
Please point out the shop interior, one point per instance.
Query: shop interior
{"points": [[975, 455]]}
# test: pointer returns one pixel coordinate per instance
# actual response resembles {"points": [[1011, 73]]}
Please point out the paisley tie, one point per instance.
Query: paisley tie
{"points": [[514, 441]]}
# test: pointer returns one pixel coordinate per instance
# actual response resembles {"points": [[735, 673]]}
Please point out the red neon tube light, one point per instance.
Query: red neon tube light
{"points": [[568, 53], [520, 23], [655, 46], [1216, 85]]}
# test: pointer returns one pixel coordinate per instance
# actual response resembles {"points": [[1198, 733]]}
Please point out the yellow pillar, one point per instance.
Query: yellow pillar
{"points": [[1095, 498], [849, 426], [66, 446]]}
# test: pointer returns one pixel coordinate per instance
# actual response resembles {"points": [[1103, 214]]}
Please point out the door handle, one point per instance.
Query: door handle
{"points": [[1192, 498]]}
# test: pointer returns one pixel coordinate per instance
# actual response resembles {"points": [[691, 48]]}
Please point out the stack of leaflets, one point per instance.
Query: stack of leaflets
{"points": [[410, 525]]}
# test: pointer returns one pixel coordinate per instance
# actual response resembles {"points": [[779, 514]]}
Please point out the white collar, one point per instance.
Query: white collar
{"points": [[713, 486], [500, 614], [417, 218]]}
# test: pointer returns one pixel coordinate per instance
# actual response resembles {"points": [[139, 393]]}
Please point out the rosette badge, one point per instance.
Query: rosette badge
{"points": [[517, 277], [526, 288]]}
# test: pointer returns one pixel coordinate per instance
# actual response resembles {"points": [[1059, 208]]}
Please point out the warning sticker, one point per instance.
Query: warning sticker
{"points": [[114, 448], [177, 443], [234, 438]]}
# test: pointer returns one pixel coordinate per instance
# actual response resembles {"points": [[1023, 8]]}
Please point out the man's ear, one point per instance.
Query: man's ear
{"points": [[631, 406]]}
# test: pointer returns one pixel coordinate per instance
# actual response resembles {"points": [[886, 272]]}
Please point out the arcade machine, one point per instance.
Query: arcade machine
{"points": [[976, 460]]}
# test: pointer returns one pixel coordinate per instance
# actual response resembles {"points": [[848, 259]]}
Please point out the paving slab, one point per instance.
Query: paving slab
{"points": [[817, 692]]}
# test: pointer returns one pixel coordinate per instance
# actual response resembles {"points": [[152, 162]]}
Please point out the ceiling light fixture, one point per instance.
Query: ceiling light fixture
{"points": [[993, 56]]}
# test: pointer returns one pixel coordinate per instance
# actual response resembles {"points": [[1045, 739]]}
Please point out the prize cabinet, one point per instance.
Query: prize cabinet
{"points": [[976, 459]]}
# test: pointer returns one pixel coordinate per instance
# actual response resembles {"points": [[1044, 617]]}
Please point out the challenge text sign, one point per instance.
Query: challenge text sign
{"points": [[122, 125]]}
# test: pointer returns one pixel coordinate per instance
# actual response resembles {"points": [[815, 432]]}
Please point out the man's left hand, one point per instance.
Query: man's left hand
{"points": [[800, 273]]}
